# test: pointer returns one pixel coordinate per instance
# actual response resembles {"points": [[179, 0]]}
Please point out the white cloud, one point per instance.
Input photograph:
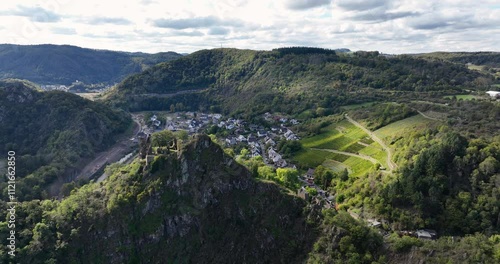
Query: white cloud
{"points": [[185, 26]]}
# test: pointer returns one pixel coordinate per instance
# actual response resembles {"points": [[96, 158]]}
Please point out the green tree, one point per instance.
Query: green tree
{"points": [[288, 176], [162, 138], [266, 172], [323, 176]]}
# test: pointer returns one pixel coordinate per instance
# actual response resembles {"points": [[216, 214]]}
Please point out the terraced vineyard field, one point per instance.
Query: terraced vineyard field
{"points": [[399, 128], [342, 145], [345, 146]]}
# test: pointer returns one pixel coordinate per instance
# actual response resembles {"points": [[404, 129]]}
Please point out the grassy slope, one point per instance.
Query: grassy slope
{"points": [[398, 128], [342, 136]]}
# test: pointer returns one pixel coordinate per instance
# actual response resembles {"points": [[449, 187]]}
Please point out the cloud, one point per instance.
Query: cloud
{"points": [[35, 14], [429, 25], [108, 35], [63, 31], [107, 20], [305, 4], [378, 16], [452, 22], [194, 33], [361, 5], [196, 22], [218, 31]]}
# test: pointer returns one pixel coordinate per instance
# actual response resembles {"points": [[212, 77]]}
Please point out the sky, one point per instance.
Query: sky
{"points": [[185, 26]]}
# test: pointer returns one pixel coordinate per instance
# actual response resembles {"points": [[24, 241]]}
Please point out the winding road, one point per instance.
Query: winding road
{"points": [[390, 163], [166, 95]]}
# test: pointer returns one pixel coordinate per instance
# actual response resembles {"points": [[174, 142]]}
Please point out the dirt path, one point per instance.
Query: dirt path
{"points": [[368, 145], [390, 163], [361, 156], [428, 117]]}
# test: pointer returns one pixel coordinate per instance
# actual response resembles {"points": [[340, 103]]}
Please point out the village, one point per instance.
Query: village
{"points": [[261, 141]]}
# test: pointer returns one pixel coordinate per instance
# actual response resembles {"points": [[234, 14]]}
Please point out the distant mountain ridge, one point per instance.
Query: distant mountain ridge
{"points": [[63, 64], [291, 80]]}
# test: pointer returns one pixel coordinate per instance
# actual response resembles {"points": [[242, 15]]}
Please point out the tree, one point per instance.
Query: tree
{"points": [[266, 172], [162, 138], [181, 134], [312, 191], [344, 175], [289, 177], [323, 176]]}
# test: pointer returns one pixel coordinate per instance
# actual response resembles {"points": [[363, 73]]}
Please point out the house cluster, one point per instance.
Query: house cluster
{"points": [[54, 87], [323, 198], [260, 141], [191, 122], [276, 158], [280, 119], [155, 122]]}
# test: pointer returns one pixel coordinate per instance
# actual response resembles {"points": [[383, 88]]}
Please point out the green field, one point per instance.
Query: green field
{"points": [[463, 96], [344, 136], [312, 158], [358, 167], [341, 136], [475, 67], [398, 128], [335, 166], [356, 106]]}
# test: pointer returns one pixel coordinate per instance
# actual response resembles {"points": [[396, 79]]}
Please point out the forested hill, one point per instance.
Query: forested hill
{"points": [[194, 206], [490, 59], [287, 79], [51, 132], [63, 64]]}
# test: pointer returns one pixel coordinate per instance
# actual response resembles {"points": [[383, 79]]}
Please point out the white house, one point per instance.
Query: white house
{"points": [[494, 94], [230, 141]]}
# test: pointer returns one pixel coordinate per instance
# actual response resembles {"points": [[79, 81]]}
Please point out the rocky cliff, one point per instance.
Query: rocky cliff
{"points": [[196, 205]]}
